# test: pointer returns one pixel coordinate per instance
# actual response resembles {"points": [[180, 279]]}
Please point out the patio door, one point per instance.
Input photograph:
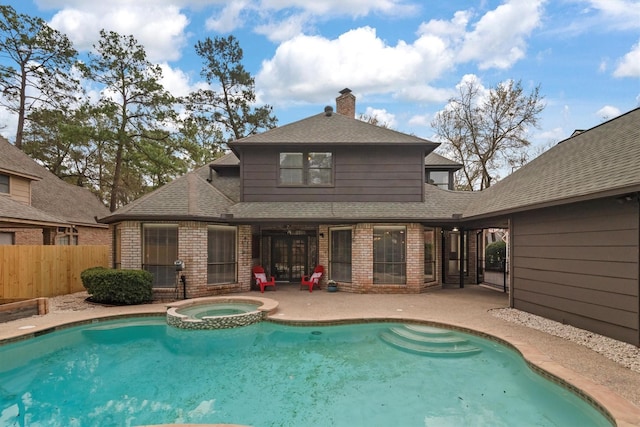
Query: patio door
{"points": [[289, 257]]}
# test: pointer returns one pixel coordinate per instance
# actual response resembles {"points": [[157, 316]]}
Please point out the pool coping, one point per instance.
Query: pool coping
{"points": [[618, 410]]}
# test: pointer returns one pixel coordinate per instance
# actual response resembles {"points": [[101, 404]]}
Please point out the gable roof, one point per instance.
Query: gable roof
{"points": [[190, 197], [49, 194], [331, 129], [598, 162]]}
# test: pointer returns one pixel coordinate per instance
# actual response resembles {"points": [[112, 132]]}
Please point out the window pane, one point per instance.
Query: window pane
{"points": [[340, 264], [291, 176], [429, 260], [319, 160], [389, 255], [439, 178], [221, 255], [291, 160], [160, 251], [319, 176], [4, 183]]}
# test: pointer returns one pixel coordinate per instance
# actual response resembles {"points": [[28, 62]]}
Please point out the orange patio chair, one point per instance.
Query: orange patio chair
{"points": [[314, 279], [261, 278]]}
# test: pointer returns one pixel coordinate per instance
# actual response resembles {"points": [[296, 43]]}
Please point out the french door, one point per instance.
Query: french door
{"points": [[289, 257]]}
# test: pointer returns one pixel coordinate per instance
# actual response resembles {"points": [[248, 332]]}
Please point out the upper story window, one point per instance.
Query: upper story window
{"points": [[439, 179], [4, 183], [306, 168]]}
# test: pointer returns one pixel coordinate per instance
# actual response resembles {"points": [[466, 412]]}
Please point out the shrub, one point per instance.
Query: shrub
{"points": [[120, 287], [495, 253]]}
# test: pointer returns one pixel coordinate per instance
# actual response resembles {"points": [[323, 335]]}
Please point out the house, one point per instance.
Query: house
{"points": [[38, 208], [377, 208], [329, 190]]}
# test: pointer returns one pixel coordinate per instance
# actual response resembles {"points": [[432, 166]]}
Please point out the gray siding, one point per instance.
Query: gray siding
{"points": [[361, 174], [578, 265]]}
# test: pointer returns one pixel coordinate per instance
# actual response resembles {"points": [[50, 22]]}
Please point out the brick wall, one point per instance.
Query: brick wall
{"points": [[94, 236], [192, 249]]}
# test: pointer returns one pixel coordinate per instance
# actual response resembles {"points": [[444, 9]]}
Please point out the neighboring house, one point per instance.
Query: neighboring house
{"points": [[38, 208], [376, 208], [573, 216]]}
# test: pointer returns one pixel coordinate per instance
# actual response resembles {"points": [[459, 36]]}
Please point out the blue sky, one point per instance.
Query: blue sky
{"points": [[402, 58]]}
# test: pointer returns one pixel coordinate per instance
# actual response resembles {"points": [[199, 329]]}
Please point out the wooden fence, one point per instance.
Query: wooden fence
{"points": [[46, 271]]}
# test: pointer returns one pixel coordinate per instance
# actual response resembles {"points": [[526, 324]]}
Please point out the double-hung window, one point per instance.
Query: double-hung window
{"points": [[306, 168]]}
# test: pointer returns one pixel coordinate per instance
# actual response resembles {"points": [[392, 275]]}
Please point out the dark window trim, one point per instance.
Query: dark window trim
{"points": [[305, 170], [7, 184]]}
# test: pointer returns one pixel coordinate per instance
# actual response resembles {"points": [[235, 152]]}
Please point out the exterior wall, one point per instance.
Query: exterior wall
{"points": [[360, 175], [362, 262], [39, 236], [27, 236], [192, 249], [578, 264], [93, 236]]}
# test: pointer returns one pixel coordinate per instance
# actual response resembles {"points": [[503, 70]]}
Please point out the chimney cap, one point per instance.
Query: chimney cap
{"points": [[345, 90], [328, 110]]}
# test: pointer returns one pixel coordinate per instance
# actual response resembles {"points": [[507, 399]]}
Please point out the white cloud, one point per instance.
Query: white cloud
{"points": [[355, 8], [382, 116], [284, 30], [608, 112], [499, 38], [623, 14], [421, 120], [158, 27], [629, 65], [312, 66], [230, 17]]}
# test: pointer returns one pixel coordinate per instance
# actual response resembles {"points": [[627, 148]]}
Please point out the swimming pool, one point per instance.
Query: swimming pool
{"points": [[141, 371]]}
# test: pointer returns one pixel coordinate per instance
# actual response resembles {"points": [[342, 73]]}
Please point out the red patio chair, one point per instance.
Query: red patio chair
{"points": [[261, 278], [314, 279]]}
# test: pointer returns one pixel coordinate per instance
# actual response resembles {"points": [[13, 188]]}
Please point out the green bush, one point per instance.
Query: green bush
{"points": [[119, 287], [495, 254]]}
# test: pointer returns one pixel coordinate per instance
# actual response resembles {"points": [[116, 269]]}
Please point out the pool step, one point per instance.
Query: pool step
{"points": [[428, 341]]}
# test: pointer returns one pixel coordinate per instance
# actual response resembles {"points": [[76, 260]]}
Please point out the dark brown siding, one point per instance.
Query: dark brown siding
{"points": [[579, 265], [361, 174]]}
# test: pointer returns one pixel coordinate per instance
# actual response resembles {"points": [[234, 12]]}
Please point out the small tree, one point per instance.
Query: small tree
{"points": [[488, 131]]}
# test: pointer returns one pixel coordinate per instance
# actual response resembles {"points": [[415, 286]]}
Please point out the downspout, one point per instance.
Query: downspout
{"points": [[510, 252], [461, 249]]}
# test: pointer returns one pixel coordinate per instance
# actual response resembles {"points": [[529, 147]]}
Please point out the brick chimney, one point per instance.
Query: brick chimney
{"points": [[346, 103]]}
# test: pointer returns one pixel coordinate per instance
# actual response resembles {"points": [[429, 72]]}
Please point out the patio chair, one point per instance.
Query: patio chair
{"points": [[261, 278], [314, 279]]}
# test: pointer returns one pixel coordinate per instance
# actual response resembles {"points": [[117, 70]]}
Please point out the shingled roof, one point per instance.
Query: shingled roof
{"points": [[595, 163], [194, 196], [598, 162], [55, 198], [331, 129]]}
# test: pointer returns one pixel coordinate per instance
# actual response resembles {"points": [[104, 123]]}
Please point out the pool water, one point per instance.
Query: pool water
{"points": [[136, 372], [217, 309]]}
